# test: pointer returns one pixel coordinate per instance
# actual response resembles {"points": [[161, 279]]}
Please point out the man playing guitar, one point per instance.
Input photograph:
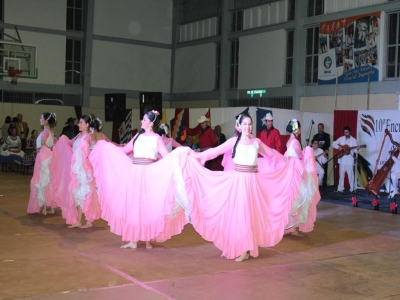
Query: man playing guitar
{"points": [[346, 162]]}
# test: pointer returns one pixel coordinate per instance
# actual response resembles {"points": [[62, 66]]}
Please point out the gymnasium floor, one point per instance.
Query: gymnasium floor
{"points": [[353, 253]]}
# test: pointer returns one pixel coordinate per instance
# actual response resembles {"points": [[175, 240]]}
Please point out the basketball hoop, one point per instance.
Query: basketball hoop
{"points": [[14, 74]]}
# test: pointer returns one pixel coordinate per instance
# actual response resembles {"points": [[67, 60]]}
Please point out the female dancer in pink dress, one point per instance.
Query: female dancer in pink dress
{"points": [[243, 209], [74, 184], [169, 142], [304, 209], [133, 207], [41, 192], [95, 132]]}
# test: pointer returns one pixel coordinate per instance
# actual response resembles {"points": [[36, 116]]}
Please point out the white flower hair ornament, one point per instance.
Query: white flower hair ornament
{"points": [[237, 125], [295, 124], [51, 115], [100, 123], [164, 127]]}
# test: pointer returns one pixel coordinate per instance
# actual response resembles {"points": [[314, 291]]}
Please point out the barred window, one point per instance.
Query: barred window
{"points": [[234, 64], [73, 61], [315, 8], [393, 45], [312, 55], [237, 21], [217, 65], [291, 10], [75, 15], [289, 57]]}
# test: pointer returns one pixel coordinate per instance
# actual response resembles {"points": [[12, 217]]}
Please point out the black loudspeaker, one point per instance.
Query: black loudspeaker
{"points": [[115, 106], [150, 101]]}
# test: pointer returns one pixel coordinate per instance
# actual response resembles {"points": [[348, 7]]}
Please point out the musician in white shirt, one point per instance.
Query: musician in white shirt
{"points": [[321, 159], [346, 162]]}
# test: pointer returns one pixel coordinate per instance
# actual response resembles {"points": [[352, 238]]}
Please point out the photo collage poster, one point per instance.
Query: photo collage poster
{"points": [[348, 49]]}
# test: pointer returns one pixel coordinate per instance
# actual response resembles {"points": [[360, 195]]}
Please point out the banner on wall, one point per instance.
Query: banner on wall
{"points": [[125, 130], [371, 132], [348, 49], [179, 124]]}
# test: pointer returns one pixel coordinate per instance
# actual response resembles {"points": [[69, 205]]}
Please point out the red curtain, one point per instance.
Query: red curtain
{"points": [[341, 119]]}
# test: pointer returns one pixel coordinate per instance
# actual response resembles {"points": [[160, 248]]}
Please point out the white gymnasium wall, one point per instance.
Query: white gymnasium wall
{"points": [[332, 6], [39, 13], [146, 20], [50, 56], [130, 67], [326, 104], [195, 68], [50, 14], [198, 30], [267, 14], [261, 60]]}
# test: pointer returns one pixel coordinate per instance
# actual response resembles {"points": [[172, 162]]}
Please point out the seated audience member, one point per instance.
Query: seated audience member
{"points": [[13, 147], [30, 153], [13, 144], [189, 142]]}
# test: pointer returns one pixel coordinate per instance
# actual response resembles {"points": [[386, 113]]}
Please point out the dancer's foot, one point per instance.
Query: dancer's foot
{"points": [[132, 245], [297, 233], [50, 210], [148, 245], [75, 225], [44, 211], [87, 225], [243, 257]]}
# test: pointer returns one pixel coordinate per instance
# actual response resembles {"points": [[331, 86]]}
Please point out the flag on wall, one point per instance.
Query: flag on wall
{"points": [[260, 125], [164, 117], [125, 130], [179, 125]]}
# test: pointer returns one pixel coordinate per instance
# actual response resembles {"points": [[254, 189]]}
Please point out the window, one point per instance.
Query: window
{"points": [[315, 8], [312, 55], [289, 57], [73, 61], [233, 82], [217, 65], [291, 10], [393, 45], [237, 21], [75, 15], [1, 12], [219, 25]]}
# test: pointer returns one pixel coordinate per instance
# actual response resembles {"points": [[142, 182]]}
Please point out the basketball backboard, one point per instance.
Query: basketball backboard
{"points": [[18, 56]]}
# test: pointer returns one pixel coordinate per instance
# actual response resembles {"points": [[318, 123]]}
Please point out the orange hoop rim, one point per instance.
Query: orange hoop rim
{"points": [[14, 73]]}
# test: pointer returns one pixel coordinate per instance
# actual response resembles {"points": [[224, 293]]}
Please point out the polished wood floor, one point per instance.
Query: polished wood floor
{"points": [[353, 253]]}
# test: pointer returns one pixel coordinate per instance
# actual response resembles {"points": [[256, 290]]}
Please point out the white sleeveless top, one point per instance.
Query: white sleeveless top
{"points": [[49, 142], [290, 150], [146, 147], [77, 141], [246, 154]]}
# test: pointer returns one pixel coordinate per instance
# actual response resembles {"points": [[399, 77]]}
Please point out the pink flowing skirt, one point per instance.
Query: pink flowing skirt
{"points": [[241, 211], [304, 210], [61, 170], [139, 202], [41, 189]]}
